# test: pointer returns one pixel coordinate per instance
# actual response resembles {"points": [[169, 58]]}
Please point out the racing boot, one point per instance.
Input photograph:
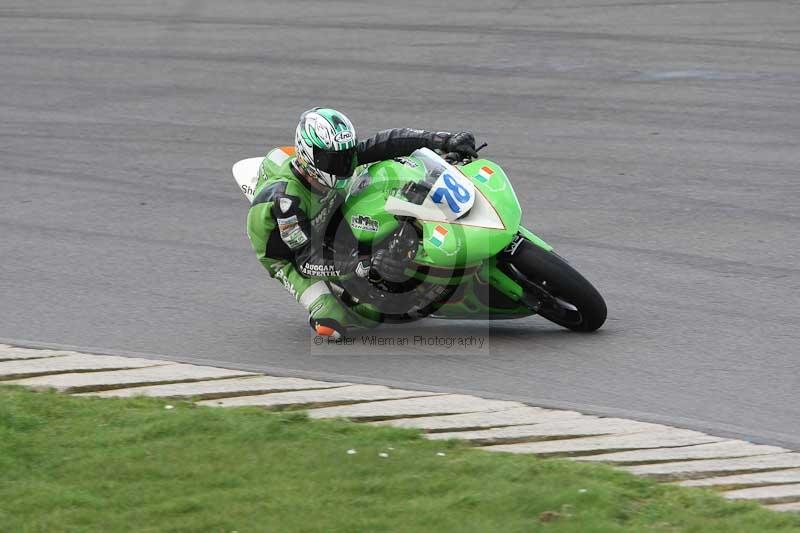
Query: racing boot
{"points": [[329, 318]]}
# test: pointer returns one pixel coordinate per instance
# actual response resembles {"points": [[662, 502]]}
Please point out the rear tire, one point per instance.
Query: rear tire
{"points": [[550, 283]]}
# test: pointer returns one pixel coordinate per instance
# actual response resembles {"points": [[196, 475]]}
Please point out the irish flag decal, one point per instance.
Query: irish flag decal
{"points": [[484, 174], [438, 236]]}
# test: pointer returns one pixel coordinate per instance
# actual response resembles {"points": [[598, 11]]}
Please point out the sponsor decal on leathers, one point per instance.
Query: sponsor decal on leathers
{"points": [[291, 232], [362, 269], [280, 275], [308, 269], [330, 202]]}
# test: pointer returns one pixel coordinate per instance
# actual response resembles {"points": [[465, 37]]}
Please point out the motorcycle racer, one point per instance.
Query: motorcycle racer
{"points": [[298, 194]]}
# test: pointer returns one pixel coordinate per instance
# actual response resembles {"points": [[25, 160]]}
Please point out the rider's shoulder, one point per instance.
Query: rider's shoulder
{"points": [[276, 163], [277, 160], [275, 167], [283, 191]]}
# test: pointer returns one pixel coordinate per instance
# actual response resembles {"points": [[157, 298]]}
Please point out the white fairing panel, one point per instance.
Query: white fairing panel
{"points": [[452, 193], [245, 172], [453, 197], [482, 214]]}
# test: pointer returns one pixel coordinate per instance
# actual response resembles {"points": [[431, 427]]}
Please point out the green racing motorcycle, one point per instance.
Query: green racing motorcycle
{"points": [[470, 257]]}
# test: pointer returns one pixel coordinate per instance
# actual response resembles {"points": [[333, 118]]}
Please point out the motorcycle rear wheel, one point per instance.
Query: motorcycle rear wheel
{"points": [[555, 290]]}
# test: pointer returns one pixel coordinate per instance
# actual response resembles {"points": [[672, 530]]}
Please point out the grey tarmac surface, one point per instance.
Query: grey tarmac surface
{"points": [[656, 145]]}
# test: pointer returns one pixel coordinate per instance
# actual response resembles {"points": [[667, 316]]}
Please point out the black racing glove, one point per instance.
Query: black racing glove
{"points": [[389, 262], [383, 265], [461, 143], [363, 266], [389, 266]]}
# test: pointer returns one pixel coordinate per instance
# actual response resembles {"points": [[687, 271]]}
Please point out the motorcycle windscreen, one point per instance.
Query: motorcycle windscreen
{"points": [[451, 191], [450, 194]]}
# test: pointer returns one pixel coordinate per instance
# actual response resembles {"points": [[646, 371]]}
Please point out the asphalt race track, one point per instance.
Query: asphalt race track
{"points": [[655, 144]]}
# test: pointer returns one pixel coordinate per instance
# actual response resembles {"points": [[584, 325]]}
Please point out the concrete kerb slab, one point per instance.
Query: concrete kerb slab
{"points": [[580, 426], [793, 507], [727, 449], [770, 494], [93, 381], [429, 405], [220, 388], [667, 437], [508, 416], [771, 477], [716, 467], [12, 353], [70, 363], [338, 395]]}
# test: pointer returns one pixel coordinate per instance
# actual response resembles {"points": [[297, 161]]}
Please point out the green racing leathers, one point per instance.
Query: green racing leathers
{"points": [[288, 220]]}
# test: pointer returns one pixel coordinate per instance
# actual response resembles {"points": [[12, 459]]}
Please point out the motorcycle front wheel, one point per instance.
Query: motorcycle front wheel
{"points": [[555, 290]]}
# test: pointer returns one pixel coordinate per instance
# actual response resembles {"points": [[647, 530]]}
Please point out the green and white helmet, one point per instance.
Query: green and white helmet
{"points": [[325, 141]]}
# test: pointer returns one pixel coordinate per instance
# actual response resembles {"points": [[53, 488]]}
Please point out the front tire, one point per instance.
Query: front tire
{"points": [[555, 290]]}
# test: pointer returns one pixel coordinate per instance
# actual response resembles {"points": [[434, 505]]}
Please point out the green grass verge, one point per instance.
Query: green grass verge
{"points": [[87, 464]]}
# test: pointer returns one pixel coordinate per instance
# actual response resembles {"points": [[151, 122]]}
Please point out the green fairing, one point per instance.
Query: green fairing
{"points": [[464, 246], [470, 306], [468, 245], [382, 180], [500, 280], [535, 239]]}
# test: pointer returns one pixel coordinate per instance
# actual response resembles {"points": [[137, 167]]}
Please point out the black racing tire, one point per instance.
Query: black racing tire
{"points": [[542, 272]]}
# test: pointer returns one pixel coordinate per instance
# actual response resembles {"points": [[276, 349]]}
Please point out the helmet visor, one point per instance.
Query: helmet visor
{"points": [[340, 164]]}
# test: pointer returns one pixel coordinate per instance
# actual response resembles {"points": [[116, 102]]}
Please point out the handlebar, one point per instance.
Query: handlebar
{"points": [[456, 157]]}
